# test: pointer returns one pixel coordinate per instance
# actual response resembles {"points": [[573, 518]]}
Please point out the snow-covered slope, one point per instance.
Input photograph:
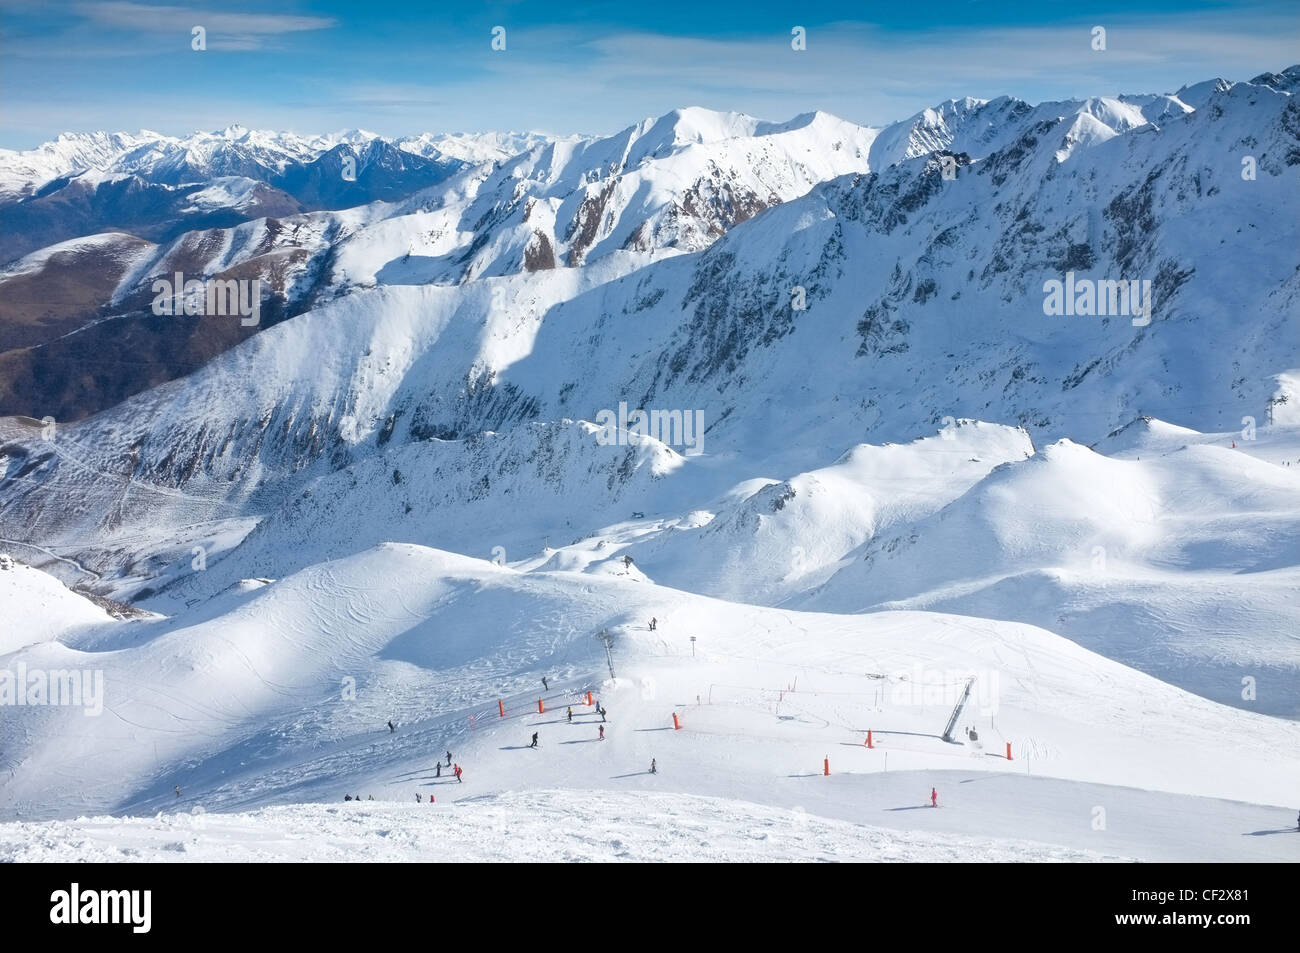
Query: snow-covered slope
{"points": [[1183, 563], [533, 826], [978, 128], [677, 182], [37, 607], [285, 693], [772, 539]]}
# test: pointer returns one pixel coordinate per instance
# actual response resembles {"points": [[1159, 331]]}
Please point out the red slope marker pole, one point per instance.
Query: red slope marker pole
{"points": [[869, 744], [1009, 758], [826, 767], [676, 724], [541, 710], [501, 707]]}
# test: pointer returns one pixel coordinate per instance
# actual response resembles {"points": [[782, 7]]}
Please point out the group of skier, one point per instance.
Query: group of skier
{"points": [[600, 710], [456, 769], [600, 736], [458, 772]]}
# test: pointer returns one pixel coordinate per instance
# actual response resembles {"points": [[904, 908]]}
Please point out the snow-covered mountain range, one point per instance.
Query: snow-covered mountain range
{"points": [[93, 221], [405, 473]]}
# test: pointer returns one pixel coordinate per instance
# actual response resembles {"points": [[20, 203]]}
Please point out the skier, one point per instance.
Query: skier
{"points": [[178, 790], [370, 798], [654, 768], [347, 797], [534, 744], [602, 713], [544, 684], [934, 798], [571, 713], [458, 773], [438, 770], [449, 759], [418, 798], [602, 732], [391, 729], [627, 562], [653, 623]]}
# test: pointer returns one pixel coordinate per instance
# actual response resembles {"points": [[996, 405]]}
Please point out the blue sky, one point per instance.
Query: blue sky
{"points": [[398, 68]]}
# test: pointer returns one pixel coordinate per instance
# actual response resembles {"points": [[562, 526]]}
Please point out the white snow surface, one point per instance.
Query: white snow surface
{"points": [[533, 827], [280, 694]]}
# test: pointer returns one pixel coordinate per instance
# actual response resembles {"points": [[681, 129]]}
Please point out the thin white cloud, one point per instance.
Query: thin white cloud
{"points": [[225, 29]]}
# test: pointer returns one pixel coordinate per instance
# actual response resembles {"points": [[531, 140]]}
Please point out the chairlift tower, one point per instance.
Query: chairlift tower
{"points": [[956, 712], [608, 641]]}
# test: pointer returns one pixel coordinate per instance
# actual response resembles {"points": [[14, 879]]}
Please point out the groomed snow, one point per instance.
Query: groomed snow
{"points": [[279, 694], [532, 827]]}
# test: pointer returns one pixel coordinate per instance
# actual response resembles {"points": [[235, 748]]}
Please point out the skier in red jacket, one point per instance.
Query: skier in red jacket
{"points": [[934, 798]]}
